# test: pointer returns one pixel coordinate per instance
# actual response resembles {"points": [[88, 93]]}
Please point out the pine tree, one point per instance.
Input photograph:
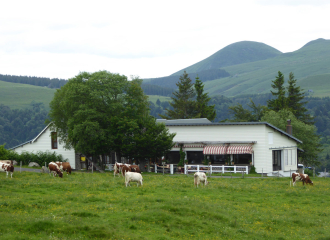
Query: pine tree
{"points": [[295, 101], [183, 103], [280, 102], [204, 111]]}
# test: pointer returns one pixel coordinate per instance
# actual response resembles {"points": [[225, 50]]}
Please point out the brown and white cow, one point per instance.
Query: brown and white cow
{"points": [[5, 167], [54, 169], [118, 168], [301, 177], [200, 177], [64, 166], [134, 168]]}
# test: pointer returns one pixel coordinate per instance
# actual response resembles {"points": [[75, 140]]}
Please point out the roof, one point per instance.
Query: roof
{"points": [[188, 122], [32, 140]]}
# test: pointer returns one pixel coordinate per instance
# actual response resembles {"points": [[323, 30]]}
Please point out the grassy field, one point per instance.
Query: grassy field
{"points": [[99, 206], [153, 98], [18, 96]]}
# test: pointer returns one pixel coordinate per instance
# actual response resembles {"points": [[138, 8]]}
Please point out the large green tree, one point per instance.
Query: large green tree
{"points": [[240, 114], [183, 102], [202, 100], [96, 113]]}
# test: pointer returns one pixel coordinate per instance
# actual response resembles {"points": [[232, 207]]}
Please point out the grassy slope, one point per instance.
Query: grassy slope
{"points": [[233, 54], [153, 98], [250, 78], [98, 206], [18, 96]]}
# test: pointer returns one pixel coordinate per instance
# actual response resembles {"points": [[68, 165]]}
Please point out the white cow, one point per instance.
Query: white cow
{"points": [[200, 177], [133, 177]]}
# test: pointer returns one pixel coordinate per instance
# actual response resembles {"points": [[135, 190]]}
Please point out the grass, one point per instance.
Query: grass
{"points": [[153, 98], [19, 96], [99, 206]]}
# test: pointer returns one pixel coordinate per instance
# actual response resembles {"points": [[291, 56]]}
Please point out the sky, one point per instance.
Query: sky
{"points": [[146, 39]]}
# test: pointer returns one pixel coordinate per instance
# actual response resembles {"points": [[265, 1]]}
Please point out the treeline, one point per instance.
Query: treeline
{"points": [[150, 89], [18, 126], [37, 81], [170, 81]]}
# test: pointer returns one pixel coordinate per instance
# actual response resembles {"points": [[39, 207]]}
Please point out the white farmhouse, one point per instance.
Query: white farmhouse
{"points": [[261, 144], [47, 141]]}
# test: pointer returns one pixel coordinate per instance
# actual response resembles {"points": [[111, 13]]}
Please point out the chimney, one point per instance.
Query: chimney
{"points": [[289, 127]]}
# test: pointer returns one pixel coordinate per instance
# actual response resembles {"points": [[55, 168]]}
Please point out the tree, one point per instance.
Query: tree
{"points": [[183, 103], [304, 132], [202, 100], [279, 102], [245, 115], [96, 113], [295, 101]]}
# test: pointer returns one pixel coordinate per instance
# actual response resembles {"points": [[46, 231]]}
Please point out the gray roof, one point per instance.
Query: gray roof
{"points": [[188, 122]]}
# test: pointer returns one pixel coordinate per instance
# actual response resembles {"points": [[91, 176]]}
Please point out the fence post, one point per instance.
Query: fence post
{"points": [[313, 171], [325, 172], [20, 167], [155, 168], [247, 169], [262, 173], [223, 169], [234, 169], [242, 174], [171, 168], [185, 169], [278, 173], [92, 167], [197, 168], [163, 167]]}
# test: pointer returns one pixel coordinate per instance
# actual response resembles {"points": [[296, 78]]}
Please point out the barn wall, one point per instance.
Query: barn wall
{"points": [[43, 143]]}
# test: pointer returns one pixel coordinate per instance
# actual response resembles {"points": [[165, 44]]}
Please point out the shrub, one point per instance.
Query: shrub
{"points": [[3, 152], [253, 169], [309, 172], [40, 157]]}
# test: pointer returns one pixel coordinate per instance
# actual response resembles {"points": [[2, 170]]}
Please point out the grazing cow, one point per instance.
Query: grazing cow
{"points": [[134, 168], [301, 177], [200, 177], [64, 166], [5, 167], [54, 169], [133, 177], [125, 169], [118, 168]]}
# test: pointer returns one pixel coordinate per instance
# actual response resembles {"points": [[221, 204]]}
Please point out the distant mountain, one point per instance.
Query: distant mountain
{"points": [[233, 54]]}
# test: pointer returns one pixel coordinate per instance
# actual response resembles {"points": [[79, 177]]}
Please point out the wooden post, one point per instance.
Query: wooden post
{"points": [[242, 174], [92, 166], [20, 167], [163, 167]]}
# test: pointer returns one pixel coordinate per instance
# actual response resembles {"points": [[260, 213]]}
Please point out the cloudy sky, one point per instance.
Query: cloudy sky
{"points": [[58, 39]]}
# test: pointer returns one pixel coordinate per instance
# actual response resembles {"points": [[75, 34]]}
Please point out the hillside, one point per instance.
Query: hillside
{"points": [[234, 54], [312, 61], [19, 96]]}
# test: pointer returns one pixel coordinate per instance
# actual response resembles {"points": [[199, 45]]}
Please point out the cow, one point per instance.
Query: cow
{"points": [[64, 166], [133, 177], [134, 168], [124, 169], [301, 177], [118, 168], [54, 169], [5, 167], [200, 177]]}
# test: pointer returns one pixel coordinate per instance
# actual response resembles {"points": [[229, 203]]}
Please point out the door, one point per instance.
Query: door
{"points": [[277, 160]]}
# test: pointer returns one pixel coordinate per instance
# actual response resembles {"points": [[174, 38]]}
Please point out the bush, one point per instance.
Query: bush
{"points": [[309, 172], [40, 157], [3, 152], [253, 169]]}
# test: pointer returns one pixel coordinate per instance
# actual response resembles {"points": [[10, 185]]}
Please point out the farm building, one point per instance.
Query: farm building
{"points": [[260, 144]]}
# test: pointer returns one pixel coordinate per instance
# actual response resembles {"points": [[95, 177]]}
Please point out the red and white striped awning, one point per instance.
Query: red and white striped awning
{"points": [[240, 149], [215, 150]]}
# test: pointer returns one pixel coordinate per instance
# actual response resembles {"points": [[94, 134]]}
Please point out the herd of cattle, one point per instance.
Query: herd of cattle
{"points": [[131, 173]]}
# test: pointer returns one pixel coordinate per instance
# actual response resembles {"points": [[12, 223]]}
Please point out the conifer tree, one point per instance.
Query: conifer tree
{"points": [[202, 99], [183, 103], [280, 102]]}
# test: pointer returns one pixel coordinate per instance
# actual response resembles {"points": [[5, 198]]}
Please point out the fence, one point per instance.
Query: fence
{"points": [[215, 169]]}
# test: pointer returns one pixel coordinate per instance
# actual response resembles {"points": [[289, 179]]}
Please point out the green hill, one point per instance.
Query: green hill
{"points": [[313, 59], [233, 54], [19, 96]]}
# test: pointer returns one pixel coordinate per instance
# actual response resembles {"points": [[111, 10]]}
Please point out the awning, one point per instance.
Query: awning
{"points": [[240, 149], [189, 146], [215, 150]]}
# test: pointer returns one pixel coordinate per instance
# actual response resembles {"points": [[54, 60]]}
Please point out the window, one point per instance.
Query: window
{"points": [[270, 138], [54, 140], [286, 160]]}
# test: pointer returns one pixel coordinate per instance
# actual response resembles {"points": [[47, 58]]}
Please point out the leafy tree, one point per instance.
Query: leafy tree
{"points": [[202, 100], [183, 103], [96, 113], [295, 101], [304, 132], [245, 115], [279, 102]]}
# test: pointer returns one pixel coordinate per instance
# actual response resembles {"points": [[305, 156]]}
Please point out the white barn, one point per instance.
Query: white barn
{"points": [[47, 141], [268, 148]]}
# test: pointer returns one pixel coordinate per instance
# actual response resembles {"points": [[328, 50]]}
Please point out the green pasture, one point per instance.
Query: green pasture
{"points": [[99, 206], [19, 96], [153, 98]]}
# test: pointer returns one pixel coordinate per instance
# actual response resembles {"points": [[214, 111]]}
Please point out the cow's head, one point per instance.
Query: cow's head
{"points": [[60, 174]]}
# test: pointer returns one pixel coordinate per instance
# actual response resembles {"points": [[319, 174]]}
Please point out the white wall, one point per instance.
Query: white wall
{"points": [[240, 133], [43, 143]]}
